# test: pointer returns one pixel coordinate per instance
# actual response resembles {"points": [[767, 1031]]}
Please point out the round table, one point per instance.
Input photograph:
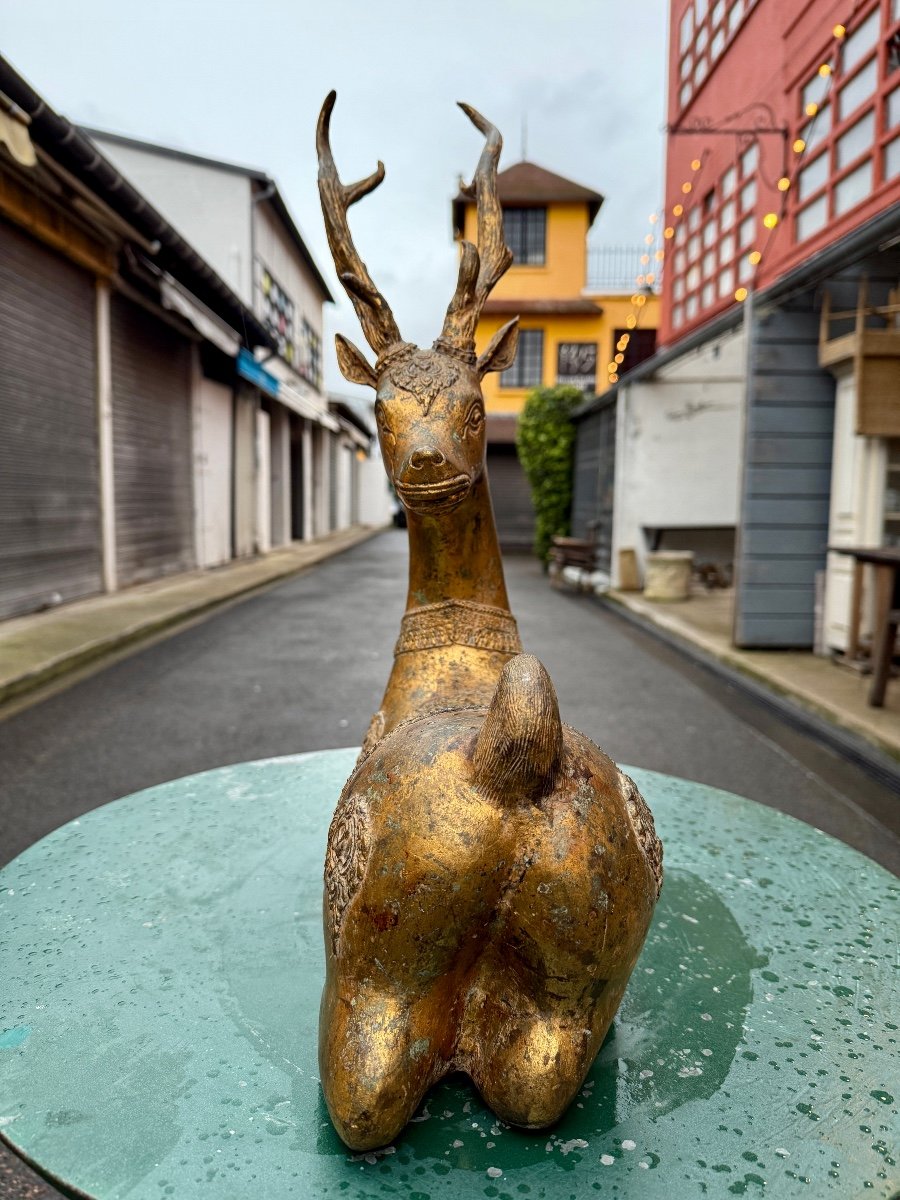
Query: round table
{"points": [[160, 970]]}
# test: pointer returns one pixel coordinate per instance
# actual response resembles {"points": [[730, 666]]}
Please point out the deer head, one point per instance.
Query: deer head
{"points": [[429, 405]]}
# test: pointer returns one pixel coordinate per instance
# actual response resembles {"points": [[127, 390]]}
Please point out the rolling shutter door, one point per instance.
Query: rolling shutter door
{"points": [[151, 382], [511, 498], [49, 498]]}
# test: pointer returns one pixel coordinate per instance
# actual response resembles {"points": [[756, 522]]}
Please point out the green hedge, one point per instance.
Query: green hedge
{"points": [[544, 441]]}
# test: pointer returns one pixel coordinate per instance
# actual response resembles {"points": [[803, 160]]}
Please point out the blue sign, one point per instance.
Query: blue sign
{"points": [[248, 368]]}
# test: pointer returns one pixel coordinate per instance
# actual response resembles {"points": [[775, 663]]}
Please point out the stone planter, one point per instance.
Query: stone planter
{"points": [[668, 575]]}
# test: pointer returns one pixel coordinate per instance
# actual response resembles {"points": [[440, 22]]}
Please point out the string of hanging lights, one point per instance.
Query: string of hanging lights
{"points": [[771, 221]]}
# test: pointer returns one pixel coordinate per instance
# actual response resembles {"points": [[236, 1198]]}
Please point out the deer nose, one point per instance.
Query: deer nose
{"points": [[426, 457]]}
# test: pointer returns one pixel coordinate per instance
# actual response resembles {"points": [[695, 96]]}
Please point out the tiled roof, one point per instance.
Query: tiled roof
{"points": [[526, 183]]}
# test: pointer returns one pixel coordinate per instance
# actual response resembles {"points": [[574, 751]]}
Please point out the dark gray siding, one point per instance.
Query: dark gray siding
{"points": [[49, 490], [593, 479], [151, 444], [787, 478]]}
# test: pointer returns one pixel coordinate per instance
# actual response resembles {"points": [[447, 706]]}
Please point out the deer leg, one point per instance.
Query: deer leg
{"points": [[378, 1055]]}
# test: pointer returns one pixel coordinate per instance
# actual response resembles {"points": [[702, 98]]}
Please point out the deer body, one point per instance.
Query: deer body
{"points": [[490, 874]]}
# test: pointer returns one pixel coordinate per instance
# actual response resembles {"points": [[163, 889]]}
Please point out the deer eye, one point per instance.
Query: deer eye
{"points": [[383, 428], [475, 418]]}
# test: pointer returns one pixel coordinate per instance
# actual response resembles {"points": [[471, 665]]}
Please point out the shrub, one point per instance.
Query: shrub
{"points": [[544, 441]]}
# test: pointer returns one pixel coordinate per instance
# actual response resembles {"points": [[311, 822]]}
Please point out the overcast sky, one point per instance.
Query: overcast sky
{"points": [[244, 82]]}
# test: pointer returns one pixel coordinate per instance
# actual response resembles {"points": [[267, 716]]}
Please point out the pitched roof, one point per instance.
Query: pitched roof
{"points": [[526, 183], [267, 183]]}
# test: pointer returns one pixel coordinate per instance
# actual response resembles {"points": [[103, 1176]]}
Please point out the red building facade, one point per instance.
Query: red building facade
{"points": [[784, 136]]}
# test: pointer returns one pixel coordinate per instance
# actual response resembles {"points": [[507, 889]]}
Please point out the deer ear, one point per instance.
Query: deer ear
{"points": [[519, 747], [501, 351], [353, 363]]}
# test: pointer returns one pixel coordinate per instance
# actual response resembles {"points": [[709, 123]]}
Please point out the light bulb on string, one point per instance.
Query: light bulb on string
{"points": [[754, 257], [825, 70], [799, 146], [839, 31], [677, 210], [668, 232], [740, 294], [784, 183], [695, 165], [770, 220], [686, 187]]}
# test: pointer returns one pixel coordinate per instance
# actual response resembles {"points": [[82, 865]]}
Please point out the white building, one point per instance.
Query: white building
{"points": [[289, 450]]}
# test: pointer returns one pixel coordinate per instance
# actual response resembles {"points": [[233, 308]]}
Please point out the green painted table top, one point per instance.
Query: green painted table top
{"points": [[160, 969]]}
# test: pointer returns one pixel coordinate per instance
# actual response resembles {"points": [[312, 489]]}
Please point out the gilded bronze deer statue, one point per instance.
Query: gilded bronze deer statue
{"points": [[490, 874]]}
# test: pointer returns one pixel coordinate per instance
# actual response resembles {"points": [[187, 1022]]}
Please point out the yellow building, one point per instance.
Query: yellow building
{"points": [[568, 333]]}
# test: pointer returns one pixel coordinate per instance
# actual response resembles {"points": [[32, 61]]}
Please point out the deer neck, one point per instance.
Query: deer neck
{"points": [[456, 555]]}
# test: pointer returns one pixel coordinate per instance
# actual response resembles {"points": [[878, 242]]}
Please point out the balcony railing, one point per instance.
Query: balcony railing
{"points": [[615, 268]]}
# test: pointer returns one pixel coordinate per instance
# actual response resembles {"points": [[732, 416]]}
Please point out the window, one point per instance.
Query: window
{"points": [[892, 109], [747, 231], [726, 281], [729, 179], [715, 46], [855, 141], [708, 295], [700, 72], [528, 369], [687, 29], [690, 309], [818, 129], [813, 177], [748, 196], [745, 269], [677, 315], [734, 15], [641, 345], [853, 188], [679, 261], [749, 160], [700, 42], [693, 277], [709, 262], [726, 216], [693, 248], [726, 248], [525, 230], [685, 66], [860, 88], [576, 365], [678, 289], [685, 94], [709, 234], [718, 11], [812, 218], [858, 44], [815, 91], [693, 219], [892, 159]]}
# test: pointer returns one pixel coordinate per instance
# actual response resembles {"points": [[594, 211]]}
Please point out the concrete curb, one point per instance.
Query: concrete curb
{"points": [[150, 626], [880, 764]]}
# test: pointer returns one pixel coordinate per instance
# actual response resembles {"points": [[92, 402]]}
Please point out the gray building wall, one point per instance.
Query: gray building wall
{"points": [[787, 476]]}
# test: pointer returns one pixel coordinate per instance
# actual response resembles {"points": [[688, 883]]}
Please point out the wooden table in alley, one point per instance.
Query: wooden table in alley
{"points": [[161, 962], [885, 562]]}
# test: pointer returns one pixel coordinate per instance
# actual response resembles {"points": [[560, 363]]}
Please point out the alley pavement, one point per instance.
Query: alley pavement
{"points": [[302, 666]]}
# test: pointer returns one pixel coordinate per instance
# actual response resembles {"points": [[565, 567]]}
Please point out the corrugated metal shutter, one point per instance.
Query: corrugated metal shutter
{"points": [[511, 498], [151, 383], [332, 480], [49, 497]]}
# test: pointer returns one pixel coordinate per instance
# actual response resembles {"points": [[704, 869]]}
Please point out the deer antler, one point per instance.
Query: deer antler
{"points": [[479, 269], [373, 311]]}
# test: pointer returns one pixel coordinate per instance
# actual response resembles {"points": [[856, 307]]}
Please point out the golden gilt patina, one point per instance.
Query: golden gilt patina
{"points": [[490, 874]]}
